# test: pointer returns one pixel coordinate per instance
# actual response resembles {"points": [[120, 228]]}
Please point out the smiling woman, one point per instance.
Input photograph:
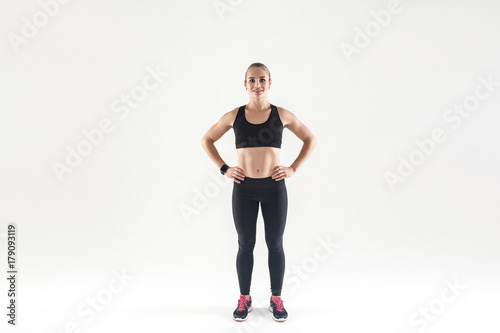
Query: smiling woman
{"points": [[259, 178]]}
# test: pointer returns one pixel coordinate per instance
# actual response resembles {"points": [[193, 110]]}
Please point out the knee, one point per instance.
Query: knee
{"points": [[246, 245], [275, 246]]}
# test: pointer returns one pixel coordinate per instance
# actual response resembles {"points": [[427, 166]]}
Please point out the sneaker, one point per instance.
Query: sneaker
{"points": [[276, 307], [244, 307]]}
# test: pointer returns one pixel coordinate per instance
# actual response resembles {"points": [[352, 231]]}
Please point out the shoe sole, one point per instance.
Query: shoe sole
{"points": [[243, 319], [280, 319]]}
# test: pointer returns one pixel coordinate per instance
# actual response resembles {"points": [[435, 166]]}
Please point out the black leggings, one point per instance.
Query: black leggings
{"points": [[273, 199]]}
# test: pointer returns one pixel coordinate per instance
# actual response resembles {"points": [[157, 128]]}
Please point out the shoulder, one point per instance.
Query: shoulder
{"points": [[286, 116], [229, 117]]}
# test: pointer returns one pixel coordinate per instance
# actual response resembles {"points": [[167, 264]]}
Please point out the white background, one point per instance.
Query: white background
{"points": [[121, 209]]}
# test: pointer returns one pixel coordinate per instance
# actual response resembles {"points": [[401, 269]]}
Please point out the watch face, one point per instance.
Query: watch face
{"points": [[224, 168]]}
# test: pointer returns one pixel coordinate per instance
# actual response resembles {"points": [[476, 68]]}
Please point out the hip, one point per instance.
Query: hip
{"points": [[261, 189]]}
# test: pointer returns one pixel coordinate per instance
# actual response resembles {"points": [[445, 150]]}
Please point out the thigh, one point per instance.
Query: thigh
{"points": [[274, 212], [245, 211]]}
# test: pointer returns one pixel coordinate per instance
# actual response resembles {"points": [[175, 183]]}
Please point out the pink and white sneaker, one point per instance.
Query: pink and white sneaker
{"points": [[276, 307], [244, 307]]}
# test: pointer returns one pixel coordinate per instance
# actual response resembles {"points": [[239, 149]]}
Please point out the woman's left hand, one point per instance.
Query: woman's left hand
{"points": [[280, 172]]}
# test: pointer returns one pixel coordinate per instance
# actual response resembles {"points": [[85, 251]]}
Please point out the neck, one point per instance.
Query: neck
{"points": [[258, 104]]}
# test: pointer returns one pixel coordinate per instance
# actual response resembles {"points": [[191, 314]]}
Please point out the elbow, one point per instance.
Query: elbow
{"points": [[313, 141], [205, 141]]}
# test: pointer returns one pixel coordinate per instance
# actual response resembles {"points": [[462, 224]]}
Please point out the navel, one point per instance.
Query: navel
{"points": [[257, 170]]}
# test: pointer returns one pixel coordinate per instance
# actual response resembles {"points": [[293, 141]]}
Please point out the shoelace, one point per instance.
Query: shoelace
{"points": [[242, 303], [279, 303]]}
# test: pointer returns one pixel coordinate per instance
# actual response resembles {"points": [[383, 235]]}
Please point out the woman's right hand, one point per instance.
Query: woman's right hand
{"points": [[235, 173]]}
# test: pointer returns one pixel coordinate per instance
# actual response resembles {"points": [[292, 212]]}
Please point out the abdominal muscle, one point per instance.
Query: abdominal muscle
{"points": [[258, 162]]}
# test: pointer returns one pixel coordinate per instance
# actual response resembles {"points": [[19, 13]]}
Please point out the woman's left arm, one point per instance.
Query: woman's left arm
{"points": [[291, 122]]}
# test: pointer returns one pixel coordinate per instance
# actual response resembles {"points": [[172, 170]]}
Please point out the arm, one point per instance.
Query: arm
{"points": [[291, 122], [304, 134], [215, 133]]}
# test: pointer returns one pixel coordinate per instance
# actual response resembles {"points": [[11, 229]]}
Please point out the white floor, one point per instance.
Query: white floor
{"points": [[372, 307]]}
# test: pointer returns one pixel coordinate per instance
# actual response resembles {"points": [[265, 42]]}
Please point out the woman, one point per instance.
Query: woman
{"points": [[259, 177]]}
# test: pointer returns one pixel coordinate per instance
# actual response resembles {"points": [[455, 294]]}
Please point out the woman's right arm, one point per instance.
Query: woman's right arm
{"points": [[215, 132]]}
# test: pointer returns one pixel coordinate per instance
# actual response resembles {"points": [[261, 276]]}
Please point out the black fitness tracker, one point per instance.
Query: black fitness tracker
{"points": [[224, 168]]}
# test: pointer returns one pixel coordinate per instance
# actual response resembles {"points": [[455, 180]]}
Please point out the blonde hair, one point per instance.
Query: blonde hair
{"points": [[258, 64]]}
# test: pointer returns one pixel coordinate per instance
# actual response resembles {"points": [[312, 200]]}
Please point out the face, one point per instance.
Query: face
{"points": [[257, 83]]}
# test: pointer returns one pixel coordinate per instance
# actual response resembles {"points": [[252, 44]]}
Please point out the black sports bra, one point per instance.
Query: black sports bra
{"points": [[267, 134]]}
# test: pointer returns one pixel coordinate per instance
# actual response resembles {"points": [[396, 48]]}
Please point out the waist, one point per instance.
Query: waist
{"points": [[259, 183]]}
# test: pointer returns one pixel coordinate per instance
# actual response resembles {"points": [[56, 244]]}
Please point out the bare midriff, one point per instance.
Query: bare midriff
{"points": [[258, 162]]}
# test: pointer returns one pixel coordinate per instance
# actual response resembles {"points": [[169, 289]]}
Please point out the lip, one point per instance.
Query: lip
{"points": [[258, 90]]}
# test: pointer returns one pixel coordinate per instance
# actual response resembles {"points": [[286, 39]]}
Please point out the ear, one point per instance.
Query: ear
{"points": [[245, 84]]}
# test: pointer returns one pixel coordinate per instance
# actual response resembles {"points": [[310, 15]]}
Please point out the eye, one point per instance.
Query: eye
{"points": [[263, 79], [251, 80]]}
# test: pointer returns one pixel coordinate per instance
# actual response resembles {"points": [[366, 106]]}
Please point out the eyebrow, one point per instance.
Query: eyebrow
{"points": [[251, 77]]}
